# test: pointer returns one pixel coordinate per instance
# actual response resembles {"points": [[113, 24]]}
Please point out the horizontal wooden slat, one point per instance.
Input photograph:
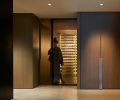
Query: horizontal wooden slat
{"points": [[68, 46]]}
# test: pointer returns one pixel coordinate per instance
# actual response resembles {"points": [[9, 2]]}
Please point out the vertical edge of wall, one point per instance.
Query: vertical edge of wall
{"points": [[45, 46], [23, 50], [36, 56], [6, 50], [78, 50]]}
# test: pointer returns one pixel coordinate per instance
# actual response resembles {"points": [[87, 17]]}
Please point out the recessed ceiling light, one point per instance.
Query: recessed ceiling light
{"points": [[101, 4], [49, 4]]}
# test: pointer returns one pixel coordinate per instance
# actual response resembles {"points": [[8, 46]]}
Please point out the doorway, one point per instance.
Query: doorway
{"points": [[65, 30]]}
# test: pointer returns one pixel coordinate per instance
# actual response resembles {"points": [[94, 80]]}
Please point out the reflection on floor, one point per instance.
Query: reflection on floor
{"points": [[64, 93]]}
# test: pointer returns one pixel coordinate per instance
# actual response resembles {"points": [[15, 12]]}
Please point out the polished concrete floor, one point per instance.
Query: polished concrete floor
{"points": [[64, 93]]}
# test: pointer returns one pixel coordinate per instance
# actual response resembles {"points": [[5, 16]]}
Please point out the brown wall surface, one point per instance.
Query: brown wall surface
{"points": [[45, 46], [88, 51], [36, 56], [104, 29], [110, 50], [25, 67]]}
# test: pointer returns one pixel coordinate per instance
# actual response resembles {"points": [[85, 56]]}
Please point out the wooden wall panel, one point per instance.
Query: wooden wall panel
{"points": [[89, 46], [24, 58], [36, 52], [22, 48], [45, 46], [99, 35], [111, 50]]}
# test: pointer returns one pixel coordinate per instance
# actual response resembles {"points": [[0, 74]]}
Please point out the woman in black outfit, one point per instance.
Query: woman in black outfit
{"points": [[55, 58]]}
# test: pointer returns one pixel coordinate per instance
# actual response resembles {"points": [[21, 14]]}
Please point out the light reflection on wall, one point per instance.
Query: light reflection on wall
{"points": [[36, 44], [35, 40]]}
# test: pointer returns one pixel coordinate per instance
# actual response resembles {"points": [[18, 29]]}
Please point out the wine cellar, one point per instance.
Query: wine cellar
{"points": [[66, 34], [68, 45]]}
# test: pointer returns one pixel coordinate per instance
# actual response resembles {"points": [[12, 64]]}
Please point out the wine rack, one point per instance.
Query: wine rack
{"points": [[68, 45]]}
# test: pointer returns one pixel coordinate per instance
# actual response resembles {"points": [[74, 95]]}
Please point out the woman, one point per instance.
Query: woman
{"points": [[55, 58]]}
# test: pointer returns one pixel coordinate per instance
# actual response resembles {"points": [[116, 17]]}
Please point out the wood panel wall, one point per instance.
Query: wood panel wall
{"points": [[36, 52], [111, 50], [25, 52], [88, 51], [45, 46], [99, 37]]}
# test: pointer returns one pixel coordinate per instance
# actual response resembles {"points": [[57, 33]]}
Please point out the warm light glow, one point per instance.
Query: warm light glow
{"points": [[101, 4], [68, 45], [49, 4]]}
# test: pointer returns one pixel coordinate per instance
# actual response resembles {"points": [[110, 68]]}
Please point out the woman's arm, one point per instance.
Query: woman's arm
{"points": [[60, 57], [50, 51]]}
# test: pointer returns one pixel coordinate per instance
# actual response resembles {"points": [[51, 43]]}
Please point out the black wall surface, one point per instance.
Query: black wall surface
{"points": [[6, 52]]}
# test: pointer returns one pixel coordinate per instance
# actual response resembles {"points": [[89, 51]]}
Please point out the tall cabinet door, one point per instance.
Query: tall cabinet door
{"points": [[110, 50], [99, 44], [89, 44]]}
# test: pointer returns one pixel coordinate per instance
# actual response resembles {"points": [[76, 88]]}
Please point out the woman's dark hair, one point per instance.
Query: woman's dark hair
{"points": [[55, 40]]}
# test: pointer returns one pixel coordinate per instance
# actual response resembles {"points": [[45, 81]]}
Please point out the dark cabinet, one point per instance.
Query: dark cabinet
{"points": [[99, 40]]}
